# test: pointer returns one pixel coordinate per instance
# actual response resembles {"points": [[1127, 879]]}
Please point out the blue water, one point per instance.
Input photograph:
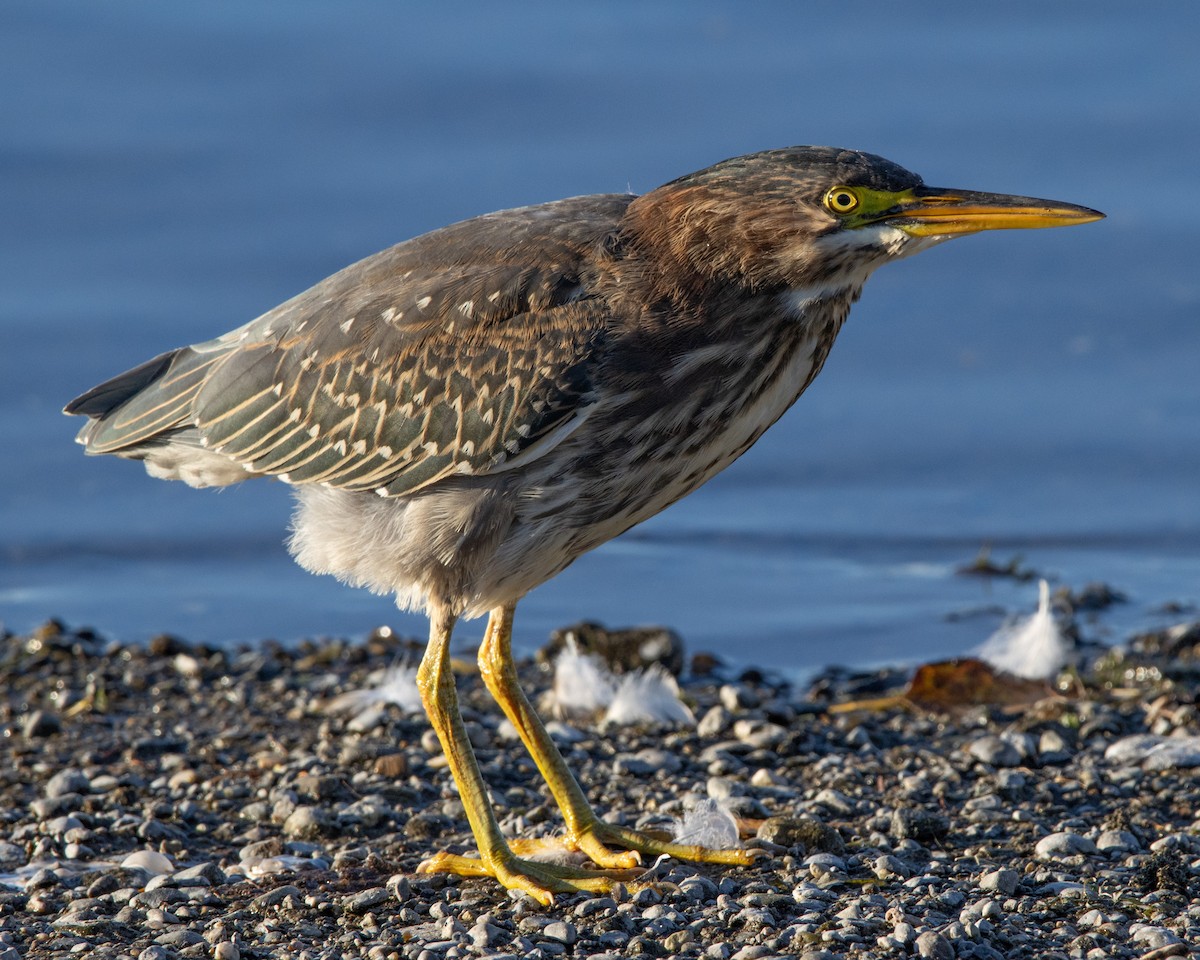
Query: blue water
{"points": [[168, 171]]}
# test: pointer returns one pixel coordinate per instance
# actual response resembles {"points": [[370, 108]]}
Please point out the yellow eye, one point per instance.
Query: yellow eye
{"points": [[841, 200]]}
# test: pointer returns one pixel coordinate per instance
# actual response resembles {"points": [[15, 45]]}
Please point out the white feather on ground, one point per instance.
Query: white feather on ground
{"points": [[585, 687], [1033, 647], [396, 685], [649, 696], [708, 824], [582, 684]]}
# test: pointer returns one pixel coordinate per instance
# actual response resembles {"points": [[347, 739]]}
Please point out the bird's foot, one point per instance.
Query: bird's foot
{"points": [[598, 839], [540, 880]]}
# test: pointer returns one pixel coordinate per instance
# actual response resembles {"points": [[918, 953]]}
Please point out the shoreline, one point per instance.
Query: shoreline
{"points": [[1036, 831]]}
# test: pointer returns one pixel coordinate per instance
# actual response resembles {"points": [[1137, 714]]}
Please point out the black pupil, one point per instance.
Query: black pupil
{"points": [[844, 199]]}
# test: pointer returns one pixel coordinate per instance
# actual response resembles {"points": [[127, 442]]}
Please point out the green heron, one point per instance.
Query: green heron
{"points": [[464, 414]]}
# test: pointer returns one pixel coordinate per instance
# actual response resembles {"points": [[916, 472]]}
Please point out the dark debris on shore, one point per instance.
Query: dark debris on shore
{"points": [[180, 801]]}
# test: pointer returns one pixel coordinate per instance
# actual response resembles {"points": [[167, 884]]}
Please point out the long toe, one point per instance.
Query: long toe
{"points": [[539, 880], [603, 835]]}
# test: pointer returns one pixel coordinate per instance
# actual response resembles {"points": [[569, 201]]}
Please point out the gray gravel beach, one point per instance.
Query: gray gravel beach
{"points": [[178, 801]]}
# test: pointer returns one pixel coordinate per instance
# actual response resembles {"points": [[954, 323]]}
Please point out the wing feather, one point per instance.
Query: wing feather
{"points": [[461, 351]]}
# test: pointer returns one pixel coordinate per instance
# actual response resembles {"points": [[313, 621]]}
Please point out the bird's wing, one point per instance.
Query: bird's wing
{"points": [[457, 352]]}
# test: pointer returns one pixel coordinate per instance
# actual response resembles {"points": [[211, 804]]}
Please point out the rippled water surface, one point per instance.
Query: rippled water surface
{"points": [[168, 171]]}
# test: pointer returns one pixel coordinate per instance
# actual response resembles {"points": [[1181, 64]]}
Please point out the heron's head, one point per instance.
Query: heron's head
{"points": [[819, 217]]}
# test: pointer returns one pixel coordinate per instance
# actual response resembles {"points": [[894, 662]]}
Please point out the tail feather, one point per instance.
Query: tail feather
{"points": [[101, 399], [140, 406]]}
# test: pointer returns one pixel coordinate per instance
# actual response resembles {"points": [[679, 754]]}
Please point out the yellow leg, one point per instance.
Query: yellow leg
{"points": [[585, 831], [541, 881]]}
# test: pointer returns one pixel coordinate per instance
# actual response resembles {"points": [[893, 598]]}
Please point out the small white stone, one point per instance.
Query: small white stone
{"points": [[762, 777], [713, 722], [149, 860], [1064, 844], [227, 950]]}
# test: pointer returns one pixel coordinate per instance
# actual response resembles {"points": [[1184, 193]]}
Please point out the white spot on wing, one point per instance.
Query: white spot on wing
{"points": [[424, 302]]}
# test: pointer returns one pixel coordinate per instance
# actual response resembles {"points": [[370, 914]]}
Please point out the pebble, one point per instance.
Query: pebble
{"points": [[40, 723], [1117, 841], [281, 831], [1156, 752], [752, 951], [180, 939], [10, 854], [151, 861], [1064, 844], [305, 823], [933, 945], [835, 801], [561, 931], [887, 867], [1001, 881], [826, 867], [630, 765], [1153, 937], [273, 898], [995, 750], [915, 824], [366, 900], [60, 826], [805, 832], [66, 782], [736, 698], [714, 722]]}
